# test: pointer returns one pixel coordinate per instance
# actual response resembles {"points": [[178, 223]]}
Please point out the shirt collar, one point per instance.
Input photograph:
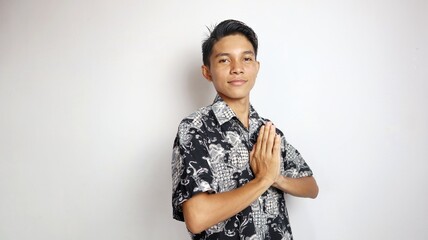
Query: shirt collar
{"points": [[224, 113]]}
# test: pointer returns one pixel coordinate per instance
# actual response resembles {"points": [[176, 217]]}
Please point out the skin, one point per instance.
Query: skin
{"points": [[233, 71]]}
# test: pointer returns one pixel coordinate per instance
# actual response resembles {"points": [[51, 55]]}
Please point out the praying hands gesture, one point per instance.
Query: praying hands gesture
{"points": [[265, 156], [265, 163]]}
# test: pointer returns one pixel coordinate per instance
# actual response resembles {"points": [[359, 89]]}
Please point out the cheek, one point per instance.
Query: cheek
{"points": [[253, 72], [219, 75]]}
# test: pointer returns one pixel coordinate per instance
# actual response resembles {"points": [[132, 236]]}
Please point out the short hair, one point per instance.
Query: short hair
{"points": [[223, 29]]}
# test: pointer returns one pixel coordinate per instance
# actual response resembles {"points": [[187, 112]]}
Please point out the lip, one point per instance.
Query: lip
{"points": [[237, 82]]}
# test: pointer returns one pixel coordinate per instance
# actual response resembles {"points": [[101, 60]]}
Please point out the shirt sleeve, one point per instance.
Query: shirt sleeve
{"points": [[294, 165], [191, 172]]}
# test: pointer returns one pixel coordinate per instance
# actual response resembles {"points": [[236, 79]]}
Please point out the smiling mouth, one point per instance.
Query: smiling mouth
{"points": [[237, 82]]}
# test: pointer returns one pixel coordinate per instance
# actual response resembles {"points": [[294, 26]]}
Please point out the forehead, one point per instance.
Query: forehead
{"points": [[231, 44]]}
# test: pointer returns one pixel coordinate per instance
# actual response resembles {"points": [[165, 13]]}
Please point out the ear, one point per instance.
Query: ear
{"points": [[206, 73]]}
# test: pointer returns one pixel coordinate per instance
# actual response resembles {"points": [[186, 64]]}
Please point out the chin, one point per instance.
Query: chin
{"points": [[235, 96]]}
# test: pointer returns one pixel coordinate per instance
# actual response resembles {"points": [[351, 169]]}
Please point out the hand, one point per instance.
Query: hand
{"points": [[265, 156]]}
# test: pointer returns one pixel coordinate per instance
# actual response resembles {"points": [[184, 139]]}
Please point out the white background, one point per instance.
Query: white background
{"points": [[91, 94]]}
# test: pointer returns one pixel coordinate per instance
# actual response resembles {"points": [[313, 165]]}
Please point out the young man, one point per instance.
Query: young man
{"points": [[231, 167]]}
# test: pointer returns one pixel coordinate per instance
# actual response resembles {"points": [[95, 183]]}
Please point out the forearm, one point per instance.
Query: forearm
{"points": [[299, 187], [205, 210]]}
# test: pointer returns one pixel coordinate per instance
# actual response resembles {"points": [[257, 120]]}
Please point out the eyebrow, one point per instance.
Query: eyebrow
{"points": [[228, 54]]}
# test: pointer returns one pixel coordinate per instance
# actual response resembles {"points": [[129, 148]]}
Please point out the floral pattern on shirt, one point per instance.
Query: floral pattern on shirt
{"points": [[211, 154]]}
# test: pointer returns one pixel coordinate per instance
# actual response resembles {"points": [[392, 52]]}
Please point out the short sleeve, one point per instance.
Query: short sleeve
{"points": [[191, 173], [294, 164]]}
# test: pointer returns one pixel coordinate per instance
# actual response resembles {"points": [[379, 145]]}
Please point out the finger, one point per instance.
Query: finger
{"points": [[277, 145], [260, 139], [271, 140], [265, 137]]}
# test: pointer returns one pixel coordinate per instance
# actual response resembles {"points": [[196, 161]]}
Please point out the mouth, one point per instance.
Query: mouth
{"points": [[237, 82]]}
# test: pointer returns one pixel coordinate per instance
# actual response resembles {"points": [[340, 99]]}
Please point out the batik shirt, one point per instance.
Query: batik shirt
{"points": [[211, 154]]}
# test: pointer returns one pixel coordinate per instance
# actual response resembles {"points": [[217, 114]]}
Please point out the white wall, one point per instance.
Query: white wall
{"points": [[91, 93]]}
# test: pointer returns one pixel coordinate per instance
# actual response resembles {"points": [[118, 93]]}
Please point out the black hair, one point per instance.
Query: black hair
{"points": [[223, 29]]}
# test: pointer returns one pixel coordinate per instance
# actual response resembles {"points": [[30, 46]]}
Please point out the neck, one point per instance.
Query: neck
{"points": [[240, 107]]}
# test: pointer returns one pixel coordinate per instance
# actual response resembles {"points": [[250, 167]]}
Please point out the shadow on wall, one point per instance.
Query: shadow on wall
{"points": [[200, 92], [155, 195]]}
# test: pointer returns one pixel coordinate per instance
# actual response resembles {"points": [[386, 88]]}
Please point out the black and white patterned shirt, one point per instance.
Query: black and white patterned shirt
{"points": [[211, 154]]}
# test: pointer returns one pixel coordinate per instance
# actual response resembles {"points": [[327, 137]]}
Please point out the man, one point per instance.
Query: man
{"points": [[230, 167]]}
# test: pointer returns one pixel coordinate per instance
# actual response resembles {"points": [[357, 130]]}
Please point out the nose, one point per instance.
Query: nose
{"points": [[236, 67]]}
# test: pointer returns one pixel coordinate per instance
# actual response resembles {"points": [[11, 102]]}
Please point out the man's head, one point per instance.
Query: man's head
{"points": [[223, 29], [230, 60]]}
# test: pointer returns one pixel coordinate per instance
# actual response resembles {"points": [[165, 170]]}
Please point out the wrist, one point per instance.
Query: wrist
{"points": [[278, 181], [265, 181]]}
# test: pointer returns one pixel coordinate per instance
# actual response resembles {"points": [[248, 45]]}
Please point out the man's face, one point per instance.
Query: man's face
{"points": [[233, 67]]}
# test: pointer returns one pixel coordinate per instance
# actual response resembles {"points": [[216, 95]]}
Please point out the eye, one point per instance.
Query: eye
{"points": [[223, 60], [248, 59]]}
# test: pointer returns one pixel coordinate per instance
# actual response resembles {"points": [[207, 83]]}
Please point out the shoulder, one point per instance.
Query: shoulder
{"points": [[192, 129], [198, 117], [196, 120]]}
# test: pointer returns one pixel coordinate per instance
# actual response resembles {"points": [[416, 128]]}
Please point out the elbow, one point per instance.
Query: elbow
{"points": [[194, 228], [314, 192], [194, 218], [194, 224]]}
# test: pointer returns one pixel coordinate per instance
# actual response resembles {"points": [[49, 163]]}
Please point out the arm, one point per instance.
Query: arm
{"points": [[299, 187], [205, 210]]}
